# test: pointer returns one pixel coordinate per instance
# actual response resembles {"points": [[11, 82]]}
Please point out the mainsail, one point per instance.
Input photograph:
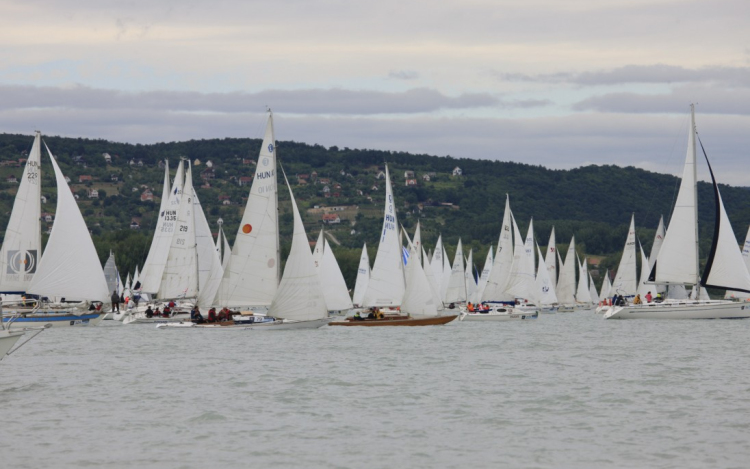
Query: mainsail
{"points": [[566, 283], [252, 275], [625, 282], [22, 246], [386, 286], [363, 277], [153, 268], [180, 276], [456, 291], [495, 289]]}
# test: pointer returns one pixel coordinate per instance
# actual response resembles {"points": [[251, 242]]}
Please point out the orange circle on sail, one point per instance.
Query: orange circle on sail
{"points": [[247, 229]]}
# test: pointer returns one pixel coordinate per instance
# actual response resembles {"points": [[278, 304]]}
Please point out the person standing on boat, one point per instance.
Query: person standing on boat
{"points": [[649, 297], [115, 301]]}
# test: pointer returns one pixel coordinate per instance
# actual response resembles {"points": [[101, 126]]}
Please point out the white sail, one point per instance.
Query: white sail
{"points": [[583, 294], [432, 280], [746, 257], [136, 277], [495, 289], [456, 291], [180, 276], [22, 245], [335, 293], [386, 286], [677, 261], [658, 240], [252, 275], [70, 266], [522, 282], [128, 282], [153, 268], [436, 263], [210, 270], [606, 286], [592, 290], [363, 277], [418, 300], [725, 266], [566, 282], [226, 252], [545, 291], [471, 283], [417, 241], [110, 273], [550, 259], [643, 285], [120, 285], [486, 270], [318, 250], [625, 282], [298, 296]]}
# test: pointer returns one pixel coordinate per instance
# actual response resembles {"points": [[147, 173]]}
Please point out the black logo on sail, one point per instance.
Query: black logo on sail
{"points": [[22, 262]]}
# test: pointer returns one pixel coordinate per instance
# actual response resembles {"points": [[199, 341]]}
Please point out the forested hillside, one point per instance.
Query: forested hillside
{"points": [[120, 197]]}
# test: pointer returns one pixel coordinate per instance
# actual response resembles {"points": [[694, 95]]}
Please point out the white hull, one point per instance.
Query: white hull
{"points": [[7, 340], [55, 320], [497, 316], [281, 325], [108, 317], [673, 309], [140, 318]]}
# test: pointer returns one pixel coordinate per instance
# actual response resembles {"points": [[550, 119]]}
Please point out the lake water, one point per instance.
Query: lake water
{"points": [[566, 390]]}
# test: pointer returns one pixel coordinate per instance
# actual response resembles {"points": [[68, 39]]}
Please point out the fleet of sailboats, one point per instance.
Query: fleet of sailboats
{"points": [[186, 264]]}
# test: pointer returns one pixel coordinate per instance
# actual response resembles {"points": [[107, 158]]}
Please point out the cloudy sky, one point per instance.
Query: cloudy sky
{"points": [[557, 83]]}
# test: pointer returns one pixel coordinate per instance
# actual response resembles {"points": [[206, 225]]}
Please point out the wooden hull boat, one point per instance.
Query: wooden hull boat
{"points": [[395, 321]]}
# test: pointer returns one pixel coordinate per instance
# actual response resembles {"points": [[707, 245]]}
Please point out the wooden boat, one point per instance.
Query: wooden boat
{"points": [[395, 320]]}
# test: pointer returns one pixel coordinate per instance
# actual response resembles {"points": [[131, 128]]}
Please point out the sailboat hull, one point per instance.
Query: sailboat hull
{"points": [[498, 316], [7, 340], [406, 321], [55, 320], [682, 310]]}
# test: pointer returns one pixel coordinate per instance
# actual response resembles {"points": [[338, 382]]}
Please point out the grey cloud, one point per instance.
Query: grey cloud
{"points": [[710, 99], [645, 74], [403, 75], [310, 101]]}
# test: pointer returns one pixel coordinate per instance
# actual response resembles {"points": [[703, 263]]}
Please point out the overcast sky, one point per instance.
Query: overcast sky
{"points": [[556, 83]]}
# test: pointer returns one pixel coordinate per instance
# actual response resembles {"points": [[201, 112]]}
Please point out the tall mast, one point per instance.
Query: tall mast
{"points": [[693, 133]]}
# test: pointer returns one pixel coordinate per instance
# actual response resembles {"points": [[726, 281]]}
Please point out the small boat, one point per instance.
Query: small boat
{"points": [[498, 313], [395, 320]]}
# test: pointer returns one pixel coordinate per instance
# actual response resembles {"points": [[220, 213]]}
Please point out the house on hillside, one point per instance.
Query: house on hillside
{"points": [[411, 183], [93, 194], [208, 173], [222, 198], [43, 199], [408, 174], [79, 160], [12, 179], [48, 217], [147, 196], [85, 178], [114, 177], [326, 189], [380, 175], [107, 158], [135, 224], [457, 171], [324, 181], [248, 161], [209, 164], [314, 175], [245, 180], [331, 218]]}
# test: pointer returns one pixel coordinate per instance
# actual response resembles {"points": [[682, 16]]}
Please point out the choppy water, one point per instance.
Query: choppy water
{"points": [[567, 390]]}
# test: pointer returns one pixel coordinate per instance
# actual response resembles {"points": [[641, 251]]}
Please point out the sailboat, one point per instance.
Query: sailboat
{"points": [[363, 278], [111, 276], [678, 259], [486, 270], [625, 282], [82, 278], [456, 291], [566, 282], [333, 285], [583, 294], [386, 285], [251, 277], [497, 282]]}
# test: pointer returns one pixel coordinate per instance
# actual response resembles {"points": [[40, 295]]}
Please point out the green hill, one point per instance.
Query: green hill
{"points": [[592, 202]]}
